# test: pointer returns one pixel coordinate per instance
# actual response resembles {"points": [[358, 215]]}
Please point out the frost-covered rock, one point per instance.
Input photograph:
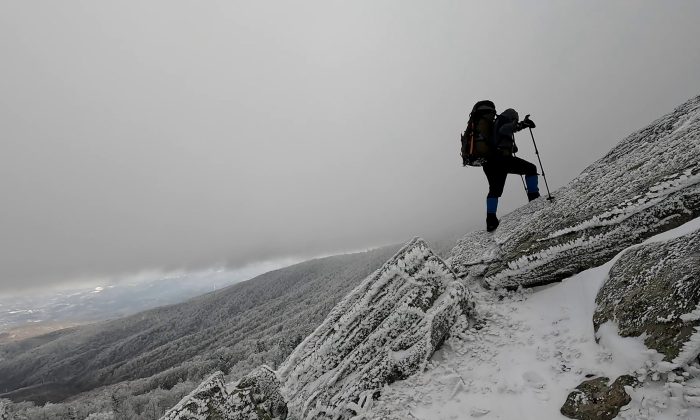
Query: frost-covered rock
{"points": [[255, 397], [208, 401], [654, 291], [649, 183], [4, 408], [384, 330], [595, 400]]}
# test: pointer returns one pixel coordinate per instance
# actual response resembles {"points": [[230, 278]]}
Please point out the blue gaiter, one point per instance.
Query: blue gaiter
{"points": [[531, 181], [491, 204]]}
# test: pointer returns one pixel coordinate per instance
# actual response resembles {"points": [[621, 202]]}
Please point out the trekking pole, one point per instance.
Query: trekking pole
{"points": [[537, 152]]}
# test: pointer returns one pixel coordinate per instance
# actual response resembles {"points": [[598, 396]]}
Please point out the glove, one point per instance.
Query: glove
{"points": [[515, 148], [527, 122]]}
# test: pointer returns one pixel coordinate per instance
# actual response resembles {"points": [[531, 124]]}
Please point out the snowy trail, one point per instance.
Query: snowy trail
{"points": [[528, 351]]}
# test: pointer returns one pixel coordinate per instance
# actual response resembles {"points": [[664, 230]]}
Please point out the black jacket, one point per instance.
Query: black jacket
{"points": [[505, 127]]}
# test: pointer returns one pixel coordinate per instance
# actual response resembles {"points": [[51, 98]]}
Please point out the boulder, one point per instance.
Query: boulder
{"points": [[255, 397], [654, 291], [208, 401], [4, 409], [384, 330], [594, 399], [647, 184]]}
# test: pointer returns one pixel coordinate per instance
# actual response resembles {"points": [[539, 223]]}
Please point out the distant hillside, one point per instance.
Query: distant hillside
{"points": [[31, 312], [233, 329]]}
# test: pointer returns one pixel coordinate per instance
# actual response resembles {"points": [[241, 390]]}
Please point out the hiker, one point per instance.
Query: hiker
{"points": [[489, 142], [502, 161]]}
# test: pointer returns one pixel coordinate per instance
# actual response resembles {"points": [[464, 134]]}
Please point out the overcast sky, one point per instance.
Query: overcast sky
{"points": [[180, 135]]}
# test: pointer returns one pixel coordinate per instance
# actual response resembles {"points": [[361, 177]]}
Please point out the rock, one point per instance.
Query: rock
{"points": [[654, 290], [255, 397], [649, 183], [208, 401], [384, 330], [4, 409], [595, 400]]}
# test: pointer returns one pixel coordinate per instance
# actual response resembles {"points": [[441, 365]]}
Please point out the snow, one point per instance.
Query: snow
{"points": [[534, 347], [386, 328]]}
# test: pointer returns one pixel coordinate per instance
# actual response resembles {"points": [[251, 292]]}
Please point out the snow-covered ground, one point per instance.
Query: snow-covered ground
{"points": [[532, 349]]}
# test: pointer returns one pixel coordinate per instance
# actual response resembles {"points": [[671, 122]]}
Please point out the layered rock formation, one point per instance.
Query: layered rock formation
{"points": [[385, 330], [255, 397], [208, 401]]}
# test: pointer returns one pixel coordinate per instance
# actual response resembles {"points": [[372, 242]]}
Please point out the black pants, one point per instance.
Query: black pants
{"points": [[497, 169]]}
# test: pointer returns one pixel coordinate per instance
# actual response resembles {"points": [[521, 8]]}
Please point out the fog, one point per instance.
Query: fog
{"points": [[170, 135]]}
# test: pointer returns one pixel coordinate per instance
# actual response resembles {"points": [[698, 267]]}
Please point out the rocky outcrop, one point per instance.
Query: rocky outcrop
{"points": [[208, 401], [647, 184], [595, 400], [255, 397], [384, 330], [4, 414], [654, 291]]}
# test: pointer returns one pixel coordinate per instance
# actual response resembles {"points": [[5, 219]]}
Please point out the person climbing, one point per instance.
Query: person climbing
{"points": [[489, 141], [502, 161]]}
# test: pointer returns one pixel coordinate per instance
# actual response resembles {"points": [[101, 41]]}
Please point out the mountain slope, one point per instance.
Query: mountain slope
{"points": [[266, 316], [384, 330], [527, 350]]}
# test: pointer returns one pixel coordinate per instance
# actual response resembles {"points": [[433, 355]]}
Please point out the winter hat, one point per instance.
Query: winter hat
{"points": [[510, 114]]}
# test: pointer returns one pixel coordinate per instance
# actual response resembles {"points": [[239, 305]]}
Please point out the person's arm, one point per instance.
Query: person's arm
{"points": [[508, 129]]}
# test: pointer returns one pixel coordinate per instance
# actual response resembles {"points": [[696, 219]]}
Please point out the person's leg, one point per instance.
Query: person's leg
{"points": [[496, 177], [515, 165]]}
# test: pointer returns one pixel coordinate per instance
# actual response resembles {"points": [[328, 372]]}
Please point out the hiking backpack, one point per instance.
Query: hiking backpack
{"points": [[477, 138]]}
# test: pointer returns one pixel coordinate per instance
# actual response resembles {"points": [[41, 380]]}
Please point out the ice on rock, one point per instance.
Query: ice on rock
{"points": [[255, 397], [4, 414], [208, 400], [653, 292], [384, 330]]}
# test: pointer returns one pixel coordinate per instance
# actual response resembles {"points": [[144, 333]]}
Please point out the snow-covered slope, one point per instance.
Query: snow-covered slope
{"points": [[649, 183], [529, 349], [386, 329]]}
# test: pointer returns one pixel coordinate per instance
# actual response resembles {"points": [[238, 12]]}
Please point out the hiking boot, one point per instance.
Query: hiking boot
{"points": [[533, 195], [491, 222]]}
